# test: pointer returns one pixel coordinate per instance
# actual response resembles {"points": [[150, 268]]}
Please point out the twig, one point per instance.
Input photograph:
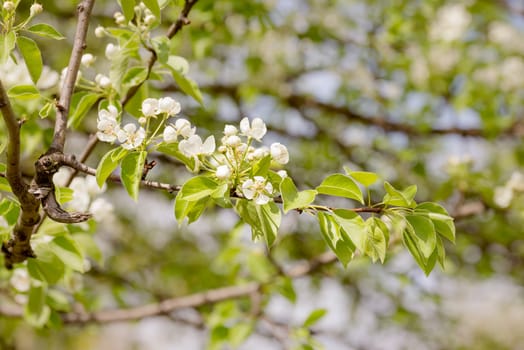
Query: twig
{"points": [[84, 11], [18, 248]]}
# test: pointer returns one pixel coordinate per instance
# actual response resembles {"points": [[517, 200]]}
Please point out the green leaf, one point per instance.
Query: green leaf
{"points": [[47, 267], [119, 68], [364, 177], [190, 209], [161, 46], [261, 167], [58, 300], [23, 92], [81, 107], [108, 163], [286, 288], [7, 44], [376, 239], [354, 226], [197, 188], [292, 198], [342, 186], [171, 149], [36, 311], [135, 76], [67, 250], [404, 198], [424, 234], [314, 317], [32, 57], [332, 233], [263, 219], [439, 216], [64, 194], [45, 30], [153, 6], [178, 70], [240, 332], [45, 110], [128, 8], [132, 171]]}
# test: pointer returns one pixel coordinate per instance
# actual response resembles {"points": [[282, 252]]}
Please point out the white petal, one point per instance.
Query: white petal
{"points": [[244, 126], [149, 107], [170, 134], [262, 199], [209, 145], [258, 129]]}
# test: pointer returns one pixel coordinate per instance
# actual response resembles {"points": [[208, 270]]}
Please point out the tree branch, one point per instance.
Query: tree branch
{"points": [[84, 11], [211, 296], [18, 248]]}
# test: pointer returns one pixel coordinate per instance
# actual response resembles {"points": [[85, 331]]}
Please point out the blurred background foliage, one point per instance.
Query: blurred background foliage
{"points": [[421, 92]]}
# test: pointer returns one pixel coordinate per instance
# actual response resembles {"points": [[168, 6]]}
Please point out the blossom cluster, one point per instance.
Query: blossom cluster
{"points": [[233, 159], [503, 195], [130, 136]]}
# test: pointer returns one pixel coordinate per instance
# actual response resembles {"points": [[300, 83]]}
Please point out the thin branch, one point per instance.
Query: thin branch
{"points": [[18, 248], [195, 300], [301, 102], [84, 11]]}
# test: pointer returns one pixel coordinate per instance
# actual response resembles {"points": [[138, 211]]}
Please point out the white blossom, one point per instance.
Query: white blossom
{"points": [[81, 198], [112, 51], [260, 152], [87, 59], [451, 23], [230, 130], [516, 181], [170, 134], [150, 107], [223, 172], [35, 9], [168, 105], [257, 189], [503, 196], [101, 209], [193, 146], [279, 153], [256, 130], [20, 280], [130, 137], [107, 124], [182, 127]]}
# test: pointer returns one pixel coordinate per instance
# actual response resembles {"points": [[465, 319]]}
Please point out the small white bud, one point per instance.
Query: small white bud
{"points": [[9, 6], [87, 59], [223, 172], [142, 120], [230, 130], [102, 81], [100, 32], [119, 18], [279, 153], [112, 51], [35, 9], [222, 149], [282, 173], [233, 141], [149, 19]]}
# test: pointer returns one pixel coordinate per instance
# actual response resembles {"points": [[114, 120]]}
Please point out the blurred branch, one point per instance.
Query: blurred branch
{"points": [[301, 102], [18, 248], [84, 11]]}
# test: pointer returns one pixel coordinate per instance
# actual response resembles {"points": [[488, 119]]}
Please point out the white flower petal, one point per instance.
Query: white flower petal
{"points": [[170, 134], [209, 145], [149, 107]]}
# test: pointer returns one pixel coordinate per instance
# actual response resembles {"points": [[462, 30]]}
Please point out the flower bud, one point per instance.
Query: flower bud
{"points": [[168, 105], [142, 120], [119, 18], [223, 172], [233, 141], [9, 6], [87, 59], [100, 32], [112, 51], [149, 19], [102, 81], [279, 153], [230, 130], [35, 9]]}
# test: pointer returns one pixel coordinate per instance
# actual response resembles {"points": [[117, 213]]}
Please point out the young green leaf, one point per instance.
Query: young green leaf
{"points": [[131, 172], [36, 311], [23, 92], [342, 186], [7, 44], [314, 317], [197, 188], [423, 232], [402, 198], [153, 6], [128, 8], [439, 216], [47, 268], [364, 177], [187, 85], [292, 198], [81, 107], [32, 57], [270, 217], [68, 251], [190, 209], [108, 163], [45, 30], [332, 233]]}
